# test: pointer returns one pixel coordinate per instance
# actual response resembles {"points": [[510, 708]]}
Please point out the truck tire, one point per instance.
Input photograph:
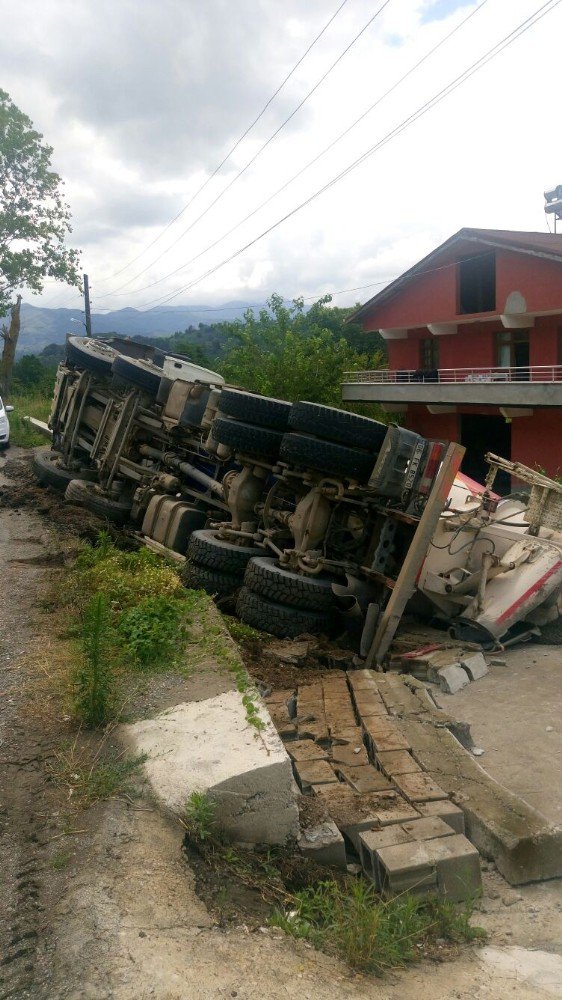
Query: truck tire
{"points": [[83, 352], [141, 374], [263, 411], [259, 442], [92, 497], [326, 456], [266, 577], [206, 549], [213, 581], [337, 425], [282, 620], [50, 473]]}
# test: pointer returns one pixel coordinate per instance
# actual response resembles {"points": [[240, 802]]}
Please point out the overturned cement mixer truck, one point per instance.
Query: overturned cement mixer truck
{"points": [[310, 518]]}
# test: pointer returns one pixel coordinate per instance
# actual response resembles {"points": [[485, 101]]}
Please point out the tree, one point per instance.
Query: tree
{"points": [[292, 354], [34, 223]]}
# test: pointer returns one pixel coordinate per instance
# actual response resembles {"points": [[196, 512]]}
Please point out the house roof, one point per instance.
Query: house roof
{"points": [[548, 245]]}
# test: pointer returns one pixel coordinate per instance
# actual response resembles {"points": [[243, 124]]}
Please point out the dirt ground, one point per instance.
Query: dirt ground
{"points": [[101, 903]]}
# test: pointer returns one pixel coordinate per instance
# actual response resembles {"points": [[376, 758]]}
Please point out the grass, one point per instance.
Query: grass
{"points": [[90, 777], [28, 404], [370, 934]]}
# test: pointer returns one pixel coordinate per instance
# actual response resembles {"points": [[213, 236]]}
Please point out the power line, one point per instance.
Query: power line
{"points": [[420, 112], [234, 147], [323, 152], [309, 298], [253, 159]]}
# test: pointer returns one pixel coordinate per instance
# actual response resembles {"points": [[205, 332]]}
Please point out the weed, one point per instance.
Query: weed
{"points": [[241, 632], [370, 934], [94, 685], [199, 817], [154, 631], [89, 778], [60, 861]]}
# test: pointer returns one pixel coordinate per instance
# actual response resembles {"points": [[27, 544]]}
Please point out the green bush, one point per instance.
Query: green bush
{"points": [[154, 631]]}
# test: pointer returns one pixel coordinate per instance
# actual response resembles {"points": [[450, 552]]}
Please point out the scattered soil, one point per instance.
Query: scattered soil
{"points": [[23, 492]]}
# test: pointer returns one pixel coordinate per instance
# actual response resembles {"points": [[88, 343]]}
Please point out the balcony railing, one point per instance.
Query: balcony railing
{"points": [[535, 373]]}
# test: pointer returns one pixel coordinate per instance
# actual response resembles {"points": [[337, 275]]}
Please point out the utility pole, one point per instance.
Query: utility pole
{"points": [[87, 306]]}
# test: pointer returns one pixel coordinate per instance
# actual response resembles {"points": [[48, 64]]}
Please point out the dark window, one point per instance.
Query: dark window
{"points": [[512, 351], [429, 353], [477, 284]]}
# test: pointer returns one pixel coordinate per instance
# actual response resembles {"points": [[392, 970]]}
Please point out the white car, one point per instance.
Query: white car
{"points": [[4, 424]]}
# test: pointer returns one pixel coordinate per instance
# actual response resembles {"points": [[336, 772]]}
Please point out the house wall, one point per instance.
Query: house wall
{"points": [[536, 440]]}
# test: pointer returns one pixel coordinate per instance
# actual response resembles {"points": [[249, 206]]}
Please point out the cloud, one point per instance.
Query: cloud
{"points": [[141, 101]]}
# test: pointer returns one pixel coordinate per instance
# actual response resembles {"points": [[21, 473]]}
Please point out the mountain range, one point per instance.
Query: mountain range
{"points": [[41, 326]]}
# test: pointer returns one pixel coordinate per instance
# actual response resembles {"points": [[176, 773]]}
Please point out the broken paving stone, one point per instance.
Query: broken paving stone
{"points": [[458, 867], [475, 666], [369, 703], [362, 680], [363, 779], [382, 738], [427, 828], [306, 750], [349, 754], [316, 730], [346, 736], [323, 844], [371, 841], [287, 652], [419, 787], [353, 813], [500, 663], [445, 810], [313, 772], [407, 867], [394, 762], [452, 678], [279, 696]]}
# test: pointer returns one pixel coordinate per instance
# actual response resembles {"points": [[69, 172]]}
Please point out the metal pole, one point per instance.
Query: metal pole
{"points": [[87, 306]]}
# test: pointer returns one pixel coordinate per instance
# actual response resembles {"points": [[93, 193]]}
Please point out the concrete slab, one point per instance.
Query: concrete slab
{"points": [[515, 715], [208, 746]]}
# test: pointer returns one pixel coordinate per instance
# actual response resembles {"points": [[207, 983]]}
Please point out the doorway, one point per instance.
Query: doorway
{"points": [[480, 434]]}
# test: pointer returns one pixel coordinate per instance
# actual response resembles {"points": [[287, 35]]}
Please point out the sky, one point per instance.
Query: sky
{"points": [[142, 100]]}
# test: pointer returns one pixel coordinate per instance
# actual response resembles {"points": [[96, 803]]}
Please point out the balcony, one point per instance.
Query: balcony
{"points": [[538, 385]]}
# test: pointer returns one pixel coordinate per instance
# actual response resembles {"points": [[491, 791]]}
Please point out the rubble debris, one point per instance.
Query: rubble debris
{"points": [[452, 678], [324, 845]]}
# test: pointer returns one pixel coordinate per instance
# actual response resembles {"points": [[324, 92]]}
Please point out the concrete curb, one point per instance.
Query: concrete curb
{"points": [[209, 746]]}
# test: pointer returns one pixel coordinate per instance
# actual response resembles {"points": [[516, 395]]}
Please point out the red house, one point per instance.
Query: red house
{"points": [[474, 337]]}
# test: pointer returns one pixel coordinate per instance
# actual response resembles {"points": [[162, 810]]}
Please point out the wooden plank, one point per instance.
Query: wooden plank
{"points": [[413, 562]]}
